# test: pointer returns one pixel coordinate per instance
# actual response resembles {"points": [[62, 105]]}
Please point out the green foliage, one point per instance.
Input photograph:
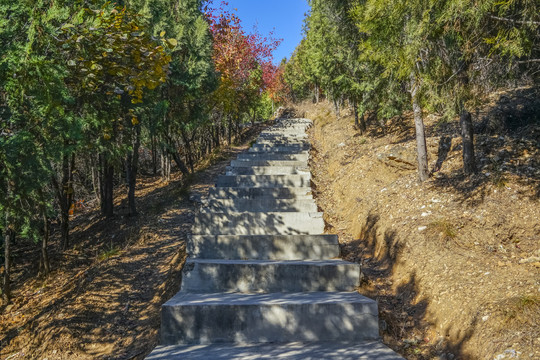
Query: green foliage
{"points": [[110, 52], [369, 51]]}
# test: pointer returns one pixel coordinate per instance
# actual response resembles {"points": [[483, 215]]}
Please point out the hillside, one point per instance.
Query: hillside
{"points": [[453, 262], [103, 298]]}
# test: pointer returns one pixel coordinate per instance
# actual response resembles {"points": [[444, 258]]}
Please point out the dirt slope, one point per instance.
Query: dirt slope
{"points": [[453, 262], [103, 298]]}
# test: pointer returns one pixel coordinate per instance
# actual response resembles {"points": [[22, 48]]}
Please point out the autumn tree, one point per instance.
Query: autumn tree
{"points": [[112, 61]]}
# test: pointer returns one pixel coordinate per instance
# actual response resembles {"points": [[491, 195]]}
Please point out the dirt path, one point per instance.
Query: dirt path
{"points": [[103, 300]]}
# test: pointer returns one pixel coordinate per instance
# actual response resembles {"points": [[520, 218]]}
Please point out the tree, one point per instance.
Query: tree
{"points": [[112, 60], [242, 61]]}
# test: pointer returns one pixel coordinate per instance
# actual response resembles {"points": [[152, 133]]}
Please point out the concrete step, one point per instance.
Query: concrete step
{"points": [[260, 205], [269, 276], [277, 163], [270, 223], [273, 143], [366, 350], [190, 318], [260, 193], [276, 148], [265, 181], [273, 156], [267, 170], [282, 141], [279, 137], [264, 247], [300, 130]]}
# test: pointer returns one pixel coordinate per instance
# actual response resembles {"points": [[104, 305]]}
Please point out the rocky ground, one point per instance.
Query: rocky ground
{"points": [[454, 262]]}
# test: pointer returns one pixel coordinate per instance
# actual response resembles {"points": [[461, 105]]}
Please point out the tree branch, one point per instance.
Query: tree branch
{"points": [[528, 61], [515, 21]]}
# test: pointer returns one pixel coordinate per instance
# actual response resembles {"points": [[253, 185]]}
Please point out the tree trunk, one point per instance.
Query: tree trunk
{"points": [[45, 263], [154, 155], [168, 168], [44, 266], [64, 193], [229, 138], [238, 136], [132, 167], [8, 238], [8, 234], [467, 136], [181, 165], [359, 121], [421, 147], [189, 149], [336, 107], [95, 182], [107, 187]]}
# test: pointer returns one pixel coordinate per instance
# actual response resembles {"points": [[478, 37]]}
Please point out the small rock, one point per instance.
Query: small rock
{"points": [[422, 228], [531, 259], [485, 318], [341, 145]]}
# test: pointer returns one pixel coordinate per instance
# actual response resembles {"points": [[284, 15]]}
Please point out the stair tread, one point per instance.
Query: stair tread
{"points": [[371, 350], [315, 297]]}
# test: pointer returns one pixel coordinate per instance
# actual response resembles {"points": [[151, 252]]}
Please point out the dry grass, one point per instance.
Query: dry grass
{"points": [[444, 228]]}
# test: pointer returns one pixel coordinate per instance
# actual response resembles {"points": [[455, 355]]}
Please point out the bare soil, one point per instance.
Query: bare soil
{"points": [[454, 262], [103, 298]]}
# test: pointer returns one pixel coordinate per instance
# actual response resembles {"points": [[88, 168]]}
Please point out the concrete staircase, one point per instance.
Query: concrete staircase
{"points": [[262, 280]]}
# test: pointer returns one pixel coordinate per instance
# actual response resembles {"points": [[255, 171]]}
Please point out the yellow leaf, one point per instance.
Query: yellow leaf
{"points": [[172, 42], [134, 121], [162, 34]]}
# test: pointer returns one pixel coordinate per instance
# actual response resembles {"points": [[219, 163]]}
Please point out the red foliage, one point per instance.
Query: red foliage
{"points": [[239, 55], [274, 83]]}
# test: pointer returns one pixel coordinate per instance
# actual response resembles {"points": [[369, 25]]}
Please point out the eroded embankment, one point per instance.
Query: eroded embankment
{"points": [[451, 261]]}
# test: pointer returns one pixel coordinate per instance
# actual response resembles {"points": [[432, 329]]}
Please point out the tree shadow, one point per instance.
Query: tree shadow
{"points": [[445, 143], [402, 313]]}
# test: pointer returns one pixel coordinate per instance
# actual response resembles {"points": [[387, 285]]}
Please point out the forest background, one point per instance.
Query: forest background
{"points": [[94, 95]]}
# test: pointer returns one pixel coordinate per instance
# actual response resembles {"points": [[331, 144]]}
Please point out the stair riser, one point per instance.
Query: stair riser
{"points": [[260, 193], [292, 149], [269, 163], [266, 181], [298, 247], [268, 323], [282, 142], [258, 224], [253, 277], [264, 206], [272, 157], [266, 170]]}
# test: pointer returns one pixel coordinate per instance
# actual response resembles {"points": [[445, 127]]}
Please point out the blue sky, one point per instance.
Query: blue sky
{"points": [[284, 15]]}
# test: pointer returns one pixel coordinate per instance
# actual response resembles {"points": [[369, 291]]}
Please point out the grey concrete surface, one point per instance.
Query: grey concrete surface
{"points": [[253, 276], [267, 170], [284, 148], [271, 223], [367, 350], [264, 247], [247, 156], [298, 180], [269, 163], [274, 317], [260, 205], [260, 192]]}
